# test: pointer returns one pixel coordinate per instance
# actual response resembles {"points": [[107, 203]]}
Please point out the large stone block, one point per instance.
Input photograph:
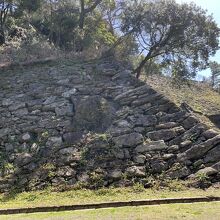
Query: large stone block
{"points": [[128, 140], [146, 120], [152, 146], [94, 113], [213, 155], [198, 151], [166, 134]]}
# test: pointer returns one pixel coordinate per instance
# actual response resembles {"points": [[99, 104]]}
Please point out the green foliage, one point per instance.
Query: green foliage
{"points": [[202, 177], [178, 38], [103, 36], [49, 168], [30, 5], [215, 74], [6, 168], [104, 137], [183, 36], [138, 187], [96, 180]]}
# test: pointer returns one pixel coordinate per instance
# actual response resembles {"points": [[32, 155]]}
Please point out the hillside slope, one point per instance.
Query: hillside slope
{"points": [[93, 124], [199, 96]]}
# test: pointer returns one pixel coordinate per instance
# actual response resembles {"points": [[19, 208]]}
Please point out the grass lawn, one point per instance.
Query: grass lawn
{"points": [[199, 211], [174, 211], [51, 198]]}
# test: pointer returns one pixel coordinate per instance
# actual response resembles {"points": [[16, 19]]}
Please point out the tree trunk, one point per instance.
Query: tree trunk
{"points": [[117, 43], [2, 36], [84, 11], [141, 65], [82, 14]]}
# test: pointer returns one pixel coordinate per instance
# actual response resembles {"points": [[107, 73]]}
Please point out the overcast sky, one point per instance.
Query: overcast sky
{"points": [[213, 7]]}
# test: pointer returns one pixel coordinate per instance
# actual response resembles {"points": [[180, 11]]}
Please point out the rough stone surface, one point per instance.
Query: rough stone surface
{"points": [[59, 126], [152, 146], [26, 137], [198, 151], [140, 159], [147, 120], [115, 174], [72, 137], [166, 134], [137, 171], [94, 113], [213, 155], [158, 166], [210, 133], [208, 171], [178, 173], [128, 139]]}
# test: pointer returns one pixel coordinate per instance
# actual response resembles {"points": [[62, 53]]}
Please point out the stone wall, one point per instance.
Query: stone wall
{"points": [[215, 119], [95, 124]]}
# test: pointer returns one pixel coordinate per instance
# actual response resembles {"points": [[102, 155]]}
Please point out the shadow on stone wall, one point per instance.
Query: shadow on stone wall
{"points": [[215, 119]]}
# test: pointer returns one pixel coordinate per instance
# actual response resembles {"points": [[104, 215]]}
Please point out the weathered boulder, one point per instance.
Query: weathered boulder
{"points": [[133, 92], [185, 143], [198, 163], [72, 137], [175, 117], [158, 166], [128, 140], [64, 110], [173, 149], [66, 172], [166, 125], [26, 137], [118, 131], [166, 134], [146, 99], [119, 153], [115, 174], [69, 93], [146, 120], [216, 166], [20, 112], [67, 151], [136, 171], [168, 156], [194, 133], [190, 122], [179, 172], [210, 133], [23, 159], [140, 159], [208, 171], [54, 142], [94, 113], [197, 151], [4, 132], [83, 177], [152, 146], [7, 102], [49, 100], [213, 155], [16, 106]]}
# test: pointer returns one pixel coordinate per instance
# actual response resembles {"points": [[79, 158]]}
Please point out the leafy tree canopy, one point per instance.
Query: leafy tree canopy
{"points": [[181, 35], [159, 34], [215, 73]]}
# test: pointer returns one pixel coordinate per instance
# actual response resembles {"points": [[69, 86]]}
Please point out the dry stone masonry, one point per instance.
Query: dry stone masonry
{"points": [[95, 124]]}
